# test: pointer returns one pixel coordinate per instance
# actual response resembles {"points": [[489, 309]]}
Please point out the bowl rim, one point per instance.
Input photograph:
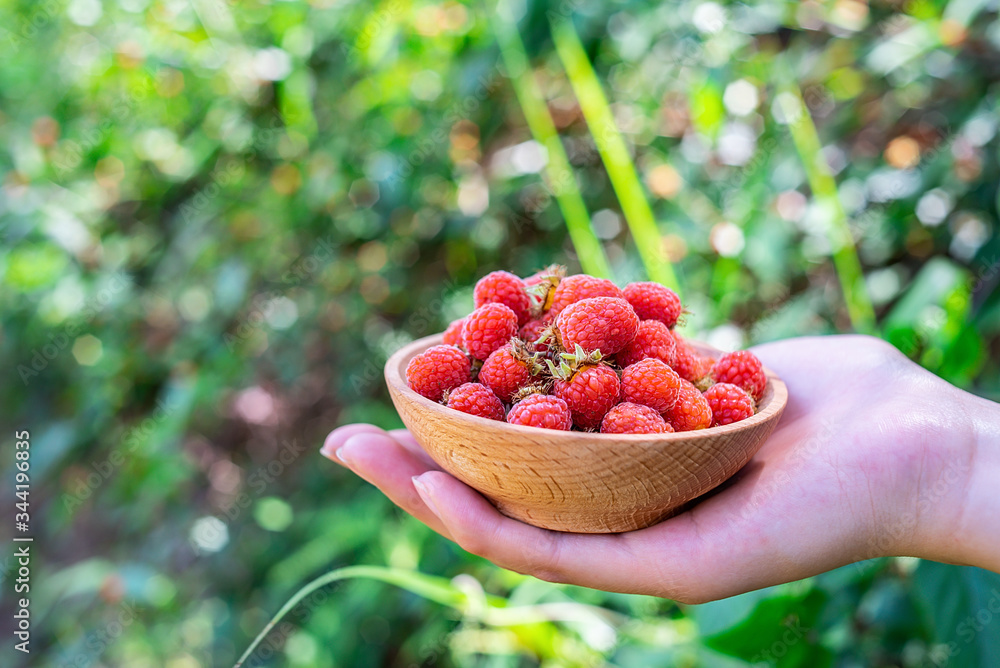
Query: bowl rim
{"points": [[395, 377]]}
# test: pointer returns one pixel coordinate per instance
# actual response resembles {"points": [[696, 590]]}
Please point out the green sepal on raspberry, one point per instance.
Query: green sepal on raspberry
{"points": [[590, 392], [509, 368]]}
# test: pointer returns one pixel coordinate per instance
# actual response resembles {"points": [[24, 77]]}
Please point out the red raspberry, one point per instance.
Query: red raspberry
{"points": [[590, 393], [628, 418], [541, 410], [600, 323], [691, 410], [438, 370], [531, 332], [652, 340], [453, 335], [501, 287], [508, 369], [579, 287], [688, 362], [488, 328], [651, 383], [729, 403], [476, 399], [741, 368], [653, 301]]}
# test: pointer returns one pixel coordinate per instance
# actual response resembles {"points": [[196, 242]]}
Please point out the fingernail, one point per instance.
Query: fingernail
{"points": [[342, 455], [425, 494]]}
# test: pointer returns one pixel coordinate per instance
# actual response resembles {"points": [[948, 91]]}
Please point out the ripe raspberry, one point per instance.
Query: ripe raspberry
{"points": [[581, 286], [653, 301], [488, 328], [541, 410], [688, 362], [531, 332], [476, 399], [453, 335], [590, 393], [729, 403], [651, 383], [507, 369], [438, 370], [741, 368], [501, 287], [599, 323], [652, 340], [691, 410], [628, 418]]}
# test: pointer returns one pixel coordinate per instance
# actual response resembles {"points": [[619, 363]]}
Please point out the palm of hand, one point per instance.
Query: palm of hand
{"points": [[838, 481]]}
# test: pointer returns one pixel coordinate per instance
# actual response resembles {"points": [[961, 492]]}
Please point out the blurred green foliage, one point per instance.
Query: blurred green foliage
{"points": [[219, 218]]}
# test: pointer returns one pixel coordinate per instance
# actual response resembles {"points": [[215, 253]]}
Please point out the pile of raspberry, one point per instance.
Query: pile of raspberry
{"points": [[578, 352]]}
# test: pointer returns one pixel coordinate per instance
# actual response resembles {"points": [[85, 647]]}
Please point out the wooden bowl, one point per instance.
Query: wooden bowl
{"points": [[579, 481]]}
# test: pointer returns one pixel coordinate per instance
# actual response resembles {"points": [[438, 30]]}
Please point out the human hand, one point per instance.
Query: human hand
{"points": [[873, 457]]}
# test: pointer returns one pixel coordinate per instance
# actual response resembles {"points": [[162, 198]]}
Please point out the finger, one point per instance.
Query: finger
{"points": [[601, 561], [382, 461], [405, 438], [340, 435]]}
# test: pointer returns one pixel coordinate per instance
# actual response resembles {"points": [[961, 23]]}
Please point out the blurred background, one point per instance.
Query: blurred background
{"points": [[218, 218]]}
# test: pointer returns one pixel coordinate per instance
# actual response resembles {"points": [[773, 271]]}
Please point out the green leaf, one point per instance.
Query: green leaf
{"points": [[962, 605], [34, 266], [778, 630]]}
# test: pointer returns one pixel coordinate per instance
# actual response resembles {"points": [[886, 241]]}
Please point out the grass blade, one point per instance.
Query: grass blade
{"points": [[560, 178], [614, 153], [824, 189]]}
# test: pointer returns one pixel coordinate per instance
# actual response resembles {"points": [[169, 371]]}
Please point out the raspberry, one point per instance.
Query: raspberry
{"points": [[541, 410], [729, 403], [453, 335], [579, 287], [688, 362], [651, 383], [653, 301], [476, 399], [741, 368], [628, 418], [691, 410], [438, 370], [606, 324], [652, 340], [488, 328], [531, 332], [590, 393], [501, 287], [507, 369]]}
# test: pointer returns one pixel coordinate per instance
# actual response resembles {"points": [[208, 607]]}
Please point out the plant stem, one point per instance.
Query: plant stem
{"points": [[438, 590], [824, 189], [614, 153], [560, 178]]}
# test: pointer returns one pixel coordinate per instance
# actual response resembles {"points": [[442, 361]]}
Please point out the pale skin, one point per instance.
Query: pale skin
{"points": [[873, 457]]}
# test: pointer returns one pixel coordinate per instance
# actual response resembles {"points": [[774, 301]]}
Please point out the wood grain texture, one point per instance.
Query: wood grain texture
{"points": [[577, 481]]}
